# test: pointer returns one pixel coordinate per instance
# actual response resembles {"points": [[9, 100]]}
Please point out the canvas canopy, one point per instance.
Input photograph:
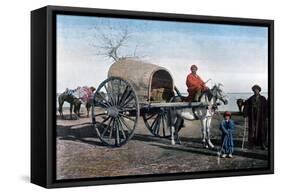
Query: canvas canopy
{"points": [[151, 82]]}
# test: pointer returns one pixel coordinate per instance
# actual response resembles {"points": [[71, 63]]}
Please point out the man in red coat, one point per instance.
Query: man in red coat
{"points": [[195, 85]]}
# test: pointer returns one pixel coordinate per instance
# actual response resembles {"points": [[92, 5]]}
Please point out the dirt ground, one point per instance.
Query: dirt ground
{"points": [[80, 154]]}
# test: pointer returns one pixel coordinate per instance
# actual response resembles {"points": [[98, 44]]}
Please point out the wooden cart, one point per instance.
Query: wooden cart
{"points": [[133, 89]]}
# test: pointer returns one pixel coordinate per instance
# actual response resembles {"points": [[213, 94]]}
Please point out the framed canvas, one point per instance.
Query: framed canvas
{"points": [[126, 96]]}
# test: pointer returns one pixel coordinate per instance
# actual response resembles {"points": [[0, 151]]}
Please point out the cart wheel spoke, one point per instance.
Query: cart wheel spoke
{"points": [[126, 125], [101, 101], [123, 95], [150, 117], [128, 100], [109, 93], [127, 117], [107, 127], [121, 129], [117, 129], [154, 124], [100, 114], [111, 129], [106, 119], [128, 109], [163, 125]]}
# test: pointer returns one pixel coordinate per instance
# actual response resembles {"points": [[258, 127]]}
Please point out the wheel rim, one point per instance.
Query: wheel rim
{"points": [[115, 111]]}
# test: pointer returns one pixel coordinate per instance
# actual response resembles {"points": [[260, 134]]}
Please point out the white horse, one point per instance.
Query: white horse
{"points": [[203, 111]]}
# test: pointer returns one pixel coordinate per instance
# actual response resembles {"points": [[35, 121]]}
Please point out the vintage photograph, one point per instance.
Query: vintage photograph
{"points": [[142, 97]]}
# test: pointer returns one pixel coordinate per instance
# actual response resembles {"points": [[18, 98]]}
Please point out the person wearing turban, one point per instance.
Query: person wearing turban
{"points": [[195, 85], [255, 110]]}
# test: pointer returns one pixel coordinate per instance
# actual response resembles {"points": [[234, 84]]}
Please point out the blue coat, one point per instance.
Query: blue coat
{"points": [[227, 128]]}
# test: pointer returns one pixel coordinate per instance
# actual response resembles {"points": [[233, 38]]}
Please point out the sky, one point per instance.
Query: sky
{"points": [[233, 55]]}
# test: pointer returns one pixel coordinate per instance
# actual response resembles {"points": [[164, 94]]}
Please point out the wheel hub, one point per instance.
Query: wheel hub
{"points": [[113, 111]]}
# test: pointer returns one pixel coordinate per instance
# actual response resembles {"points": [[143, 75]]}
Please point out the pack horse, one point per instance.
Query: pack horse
{"points": [[76, 97]]}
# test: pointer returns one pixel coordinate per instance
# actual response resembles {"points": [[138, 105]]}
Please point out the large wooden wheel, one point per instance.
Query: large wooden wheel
{"points": [[115, 111]]}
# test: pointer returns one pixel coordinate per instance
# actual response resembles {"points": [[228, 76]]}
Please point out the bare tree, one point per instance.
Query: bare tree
{"points": [[109, 42]]}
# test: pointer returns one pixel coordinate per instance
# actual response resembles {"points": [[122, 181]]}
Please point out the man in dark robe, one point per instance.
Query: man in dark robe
{"points": [[255, 110]]}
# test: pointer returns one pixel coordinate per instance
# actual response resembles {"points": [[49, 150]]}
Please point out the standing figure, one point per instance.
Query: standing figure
{"points": [[195, 85], [255, 110], [227, 127]]}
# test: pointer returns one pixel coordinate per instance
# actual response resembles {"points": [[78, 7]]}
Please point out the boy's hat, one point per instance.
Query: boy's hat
{"points": [[227, 113]]}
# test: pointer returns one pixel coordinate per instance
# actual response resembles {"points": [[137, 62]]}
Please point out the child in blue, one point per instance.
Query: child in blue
{"points": [[227, 128]]}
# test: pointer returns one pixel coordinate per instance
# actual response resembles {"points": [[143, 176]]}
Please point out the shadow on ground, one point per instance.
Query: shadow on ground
{"points": [[86, 134], [80, 134]]}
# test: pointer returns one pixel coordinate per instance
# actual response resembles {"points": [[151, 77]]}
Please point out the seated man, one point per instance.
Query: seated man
{"points": [[195, 85]]}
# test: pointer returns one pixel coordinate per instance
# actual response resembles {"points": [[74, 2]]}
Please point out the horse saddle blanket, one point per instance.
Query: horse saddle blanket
{"points": [[85, 94]]}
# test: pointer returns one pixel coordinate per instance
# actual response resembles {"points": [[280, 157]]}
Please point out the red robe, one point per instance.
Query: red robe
{"points": [[194, 84]]}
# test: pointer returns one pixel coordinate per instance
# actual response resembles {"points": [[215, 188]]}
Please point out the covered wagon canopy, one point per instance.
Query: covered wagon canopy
{"points": [[151, 82]]}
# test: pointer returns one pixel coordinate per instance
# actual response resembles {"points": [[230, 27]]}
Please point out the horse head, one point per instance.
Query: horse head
{"points": [[218, 93]]}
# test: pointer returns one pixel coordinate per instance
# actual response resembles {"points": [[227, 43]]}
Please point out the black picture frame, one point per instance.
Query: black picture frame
{"points": [[43, 93]]}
